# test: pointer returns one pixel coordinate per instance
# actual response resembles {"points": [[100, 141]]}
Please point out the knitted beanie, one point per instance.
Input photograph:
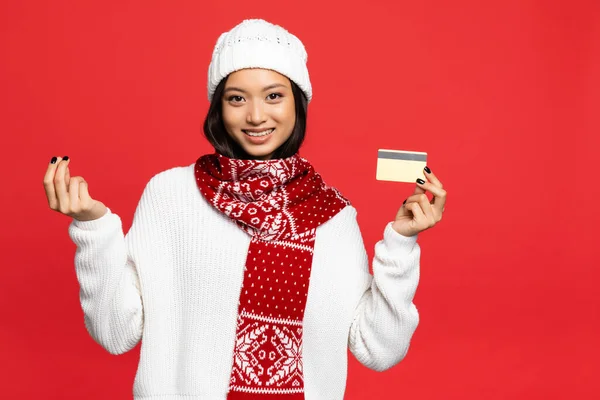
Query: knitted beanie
{"points": [[256, 43]]}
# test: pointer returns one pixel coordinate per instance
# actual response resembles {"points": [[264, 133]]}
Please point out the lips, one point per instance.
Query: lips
{"points": [[256, 130]]}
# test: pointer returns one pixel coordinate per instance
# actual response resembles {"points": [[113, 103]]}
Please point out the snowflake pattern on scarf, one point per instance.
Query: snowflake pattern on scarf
{"points": [[279, 203]]}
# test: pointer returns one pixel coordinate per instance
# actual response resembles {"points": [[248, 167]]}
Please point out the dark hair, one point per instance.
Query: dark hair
{"points": [[215, 132]]}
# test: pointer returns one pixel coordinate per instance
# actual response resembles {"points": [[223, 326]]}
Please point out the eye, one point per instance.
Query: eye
{"points": [[277, 95], [235, 98]]}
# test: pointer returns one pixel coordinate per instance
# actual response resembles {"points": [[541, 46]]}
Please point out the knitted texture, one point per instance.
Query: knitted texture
{"points": [[172, 282], [256, 43], [280, 203]]}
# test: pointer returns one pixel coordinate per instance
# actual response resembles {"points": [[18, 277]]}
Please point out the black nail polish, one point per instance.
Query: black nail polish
{"points": [[421, 181], [427, 169], [65, 158], [404, 201], [53, 161]]}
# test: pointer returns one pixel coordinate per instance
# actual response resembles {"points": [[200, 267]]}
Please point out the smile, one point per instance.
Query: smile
{"points": [[258, 134]]}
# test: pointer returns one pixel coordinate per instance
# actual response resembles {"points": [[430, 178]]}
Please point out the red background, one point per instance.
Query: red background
{"points": [[503, 95]]}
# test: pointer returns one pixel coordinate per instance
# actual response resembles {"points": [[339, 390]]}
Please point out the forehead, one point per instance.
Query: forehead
{"points": [[250, 78]]}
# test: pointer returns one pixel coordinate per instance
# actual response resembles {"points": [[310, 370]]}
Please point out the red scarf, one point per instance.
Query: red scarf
{"points": [[280, 203]]}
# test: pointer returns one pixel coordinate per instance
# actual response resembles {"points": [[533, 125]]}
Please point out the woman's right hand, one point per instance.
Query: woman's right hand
{"points": [[69, 195]]}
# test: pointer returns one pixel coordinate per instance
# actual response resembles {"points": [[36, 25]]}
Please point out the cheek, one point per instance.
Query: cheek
{"points": [[230, 117], [286, 115]]}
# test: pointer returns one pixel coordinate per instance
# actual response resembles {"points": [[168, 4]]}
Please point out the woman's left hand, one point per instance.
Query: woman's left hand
{"points": [[418, 213]]}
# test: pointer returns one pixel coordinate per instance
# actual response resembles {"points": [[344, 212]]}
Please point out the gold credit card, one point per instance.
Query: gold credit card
{"points": [[400, 165]]}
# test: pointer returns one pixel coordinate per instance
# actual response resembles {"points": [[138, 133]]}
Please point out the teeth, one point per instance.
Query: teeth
{"points": [[258, 134]]}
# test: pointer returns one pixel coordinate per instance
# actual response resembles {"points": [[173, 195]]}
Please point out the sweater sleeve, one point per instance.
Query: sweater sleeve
{"points": [[385, 317], [105, 265]]}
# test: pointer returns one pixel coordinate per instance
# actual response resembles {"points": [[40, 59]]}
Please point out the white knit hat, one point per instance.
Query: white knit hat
{"points": [[256, 43]]}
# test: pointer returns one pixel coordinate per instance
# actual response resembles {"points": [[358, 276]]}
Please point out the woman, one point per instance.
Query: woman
{"points": [[244, 274]]}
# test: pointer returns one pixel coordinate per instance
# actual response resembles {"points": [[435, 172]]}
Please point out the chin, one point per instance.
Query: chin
{"points": [[259, 153]]}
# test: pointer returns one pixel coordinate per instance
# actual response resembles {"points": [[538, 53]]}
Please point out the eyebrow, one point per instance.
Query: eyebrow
{"points": [[232, 88]]}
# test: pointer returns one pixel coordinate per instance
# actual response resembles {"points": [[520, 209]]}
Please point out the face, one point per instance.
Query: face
{"points": [[258, 110]]}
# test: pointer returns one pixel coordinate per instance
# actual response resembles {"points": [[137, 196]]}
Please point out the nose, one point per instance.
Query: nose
{"points": [[256, 114]]}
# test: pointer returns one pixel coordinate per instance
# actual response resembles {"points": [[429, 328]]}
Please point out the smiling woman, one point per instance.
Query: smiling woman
{"points": [[244, 274], [256, 113]]}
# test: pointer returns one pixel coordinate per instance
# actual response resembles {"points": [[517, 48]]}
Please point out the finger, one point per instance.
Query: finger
{"points": [[416, 197], [419, 218], [75, 202], [49, 184], [419, 189], [83, 190], [426, 207], [438, 200], [67, 176], [439, 195], [432, 178], [60, 186]]}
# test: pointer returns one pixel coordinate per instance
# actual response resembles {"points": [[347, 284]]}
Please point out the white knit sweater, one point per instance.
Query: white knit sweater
{"points": [[174, 282]]}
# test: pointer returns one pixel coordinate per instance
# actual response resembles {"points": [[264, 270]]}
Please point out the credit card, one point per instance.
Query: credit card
{"points": [[400, 165]]}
